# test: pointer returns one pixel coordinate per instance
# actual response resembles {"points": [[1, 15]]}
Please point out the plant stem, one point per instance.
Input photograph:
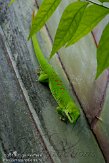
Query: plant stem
{"points": [[97, 4]]}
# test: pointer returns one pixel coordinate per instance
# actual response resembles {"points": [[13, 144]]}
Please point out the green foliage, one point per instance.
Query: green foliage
{"points": [[46, 10], [103, 51], [78, 19], [83, 22], [92, 16], [104, 1], [68, 25]]}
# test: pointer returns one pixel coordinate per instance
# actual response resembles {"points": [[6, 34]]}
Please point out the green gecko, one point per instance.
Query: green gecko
{"points": [[66, 106]]}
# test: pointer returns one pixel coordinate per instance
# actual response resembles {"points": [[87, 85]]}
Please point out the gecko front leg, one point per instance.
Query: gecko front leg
{"points": [[63, 117]]}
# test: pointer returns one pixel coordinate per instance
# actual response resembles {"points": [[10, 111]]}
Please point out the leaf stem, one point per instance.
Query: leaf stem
{"points": [[97, 4]]}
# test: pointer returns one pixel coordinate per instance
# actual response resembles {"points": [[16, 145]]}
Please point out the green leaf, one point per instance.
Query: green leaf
{"points": [[45, 11], [104, 1], [103, 51], [11, 2], [69, 22], [92, 16]]}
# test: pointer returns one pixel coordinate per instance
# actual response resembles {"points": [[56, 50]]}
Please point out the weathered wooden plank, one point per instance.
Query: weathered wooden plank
{"points": [[102, 127], [72, 144], [17, 129], [99, 104], [82, 72]]}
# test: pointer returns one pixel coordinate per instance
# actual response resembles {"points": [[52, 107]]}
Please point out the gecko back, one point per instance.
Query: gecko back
{"points": [[66, 106]]}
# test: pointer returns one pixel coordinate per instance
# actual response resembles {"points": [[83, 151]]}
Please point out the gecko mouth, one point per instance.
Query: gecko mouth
{"points": [[67, 115], [72, 116]]}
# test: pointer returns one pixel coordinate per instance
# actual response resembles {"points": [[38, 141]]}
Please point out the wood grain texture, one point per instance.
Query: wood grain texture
{"points": [[18, 132]]}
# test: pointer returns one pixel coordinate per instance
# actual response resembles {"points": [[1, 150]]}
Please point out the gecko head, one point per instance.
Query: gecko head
{"points": [[72, 112]]}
